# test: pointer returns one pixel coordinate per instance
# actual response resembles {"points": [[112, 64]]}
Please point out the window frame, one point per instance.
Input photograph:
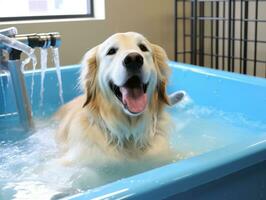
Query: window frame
{"points": [[51, 17]]}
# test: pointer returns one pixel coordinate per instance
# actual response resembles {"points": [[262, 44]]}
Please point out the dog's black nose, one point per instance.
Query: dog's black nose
{"points": [[133, 61]]}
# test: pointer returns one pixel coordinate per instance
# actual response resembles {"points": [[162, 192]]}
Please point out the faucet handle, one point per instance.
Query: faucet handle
{"points": [[10, 32]]}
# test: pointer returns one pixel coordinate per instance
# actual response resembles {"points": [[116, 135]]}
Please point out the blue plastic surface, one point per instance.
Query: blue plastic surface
{"points": [[236, 171]]}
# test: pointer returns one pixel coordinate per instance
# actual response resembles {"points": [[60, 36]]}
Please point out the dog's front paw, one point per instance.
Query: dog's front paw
{"points": [[176, 97]]}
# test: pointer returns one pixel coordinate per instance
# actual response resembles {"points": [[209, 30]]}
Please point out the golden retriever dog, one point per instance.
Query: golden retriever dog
{"points": [[121, 115]]}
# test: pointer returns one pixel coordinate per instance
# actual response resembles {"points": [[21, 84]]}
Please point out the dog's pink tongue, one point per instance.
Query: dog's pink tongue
{"points": [[134, 98]]}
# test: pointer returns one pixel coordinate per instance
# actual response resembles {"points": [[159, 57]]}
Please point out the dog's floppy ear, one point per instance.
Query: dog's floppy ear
{"points": [[160, 59], [88, 75]]}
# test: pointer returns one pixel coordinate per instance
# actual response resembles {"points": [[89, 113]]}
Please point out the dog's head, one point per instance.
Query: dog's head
{"points": [[128, 71]]}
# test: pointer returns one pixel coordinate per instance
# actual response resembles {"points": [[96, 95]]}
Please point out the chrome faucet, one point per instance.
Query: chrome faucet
{"points": [[14, 45]]}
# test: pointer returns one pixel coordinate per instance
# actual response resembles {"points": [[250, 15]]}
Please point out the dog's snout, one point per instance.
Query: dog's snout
{"points": [[133, 61]]}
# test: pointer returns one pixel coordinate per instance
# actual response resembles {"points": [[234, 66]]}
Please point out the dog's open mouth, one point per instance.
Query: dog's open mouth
{"points": [[132, 94]]}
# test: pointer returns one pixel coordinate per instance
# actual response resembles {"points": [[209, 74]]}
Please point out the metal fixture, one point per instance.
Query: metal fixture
{"points": [[14, 44]]}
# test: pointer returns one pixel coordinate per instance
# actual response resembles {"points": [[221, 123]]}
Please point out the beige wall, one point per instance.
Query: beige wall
{"points": [[153, 18]]}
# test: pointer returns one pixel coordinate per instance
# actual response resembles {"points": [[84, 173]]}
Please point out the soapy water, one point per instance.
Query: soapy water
{"points": [[29, 170], [202, 129]]}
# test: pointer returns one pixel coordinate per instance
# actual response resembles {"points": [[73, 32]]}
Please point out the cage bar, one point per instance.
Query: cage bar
{"points": [[220, 35]]}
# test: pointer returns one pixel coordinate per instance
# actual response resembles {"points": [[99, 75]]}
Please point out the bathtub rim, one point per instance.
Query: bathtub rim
{"points": [[243, 78], [184, 175]]}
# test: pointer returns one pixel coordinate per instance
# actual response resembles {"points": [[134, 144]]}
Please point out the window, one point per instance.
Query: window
{"points": [[11, 10]]}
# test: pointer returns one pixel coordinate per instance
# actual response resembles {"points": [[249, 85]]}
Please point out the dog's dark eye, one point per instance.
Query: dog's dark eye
{"points": [[143, 47], [111, 51]]}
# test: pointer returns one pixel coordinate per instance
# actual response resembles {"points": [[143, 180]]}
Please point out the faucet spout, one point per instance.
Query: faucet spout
{"points": [[10, 32], [13, 65], [15, 44]]}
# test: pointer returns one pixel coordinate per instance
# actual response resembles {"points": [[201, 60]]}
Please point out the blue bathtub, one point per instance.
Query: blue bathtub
{"points": [[236, 171]]}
